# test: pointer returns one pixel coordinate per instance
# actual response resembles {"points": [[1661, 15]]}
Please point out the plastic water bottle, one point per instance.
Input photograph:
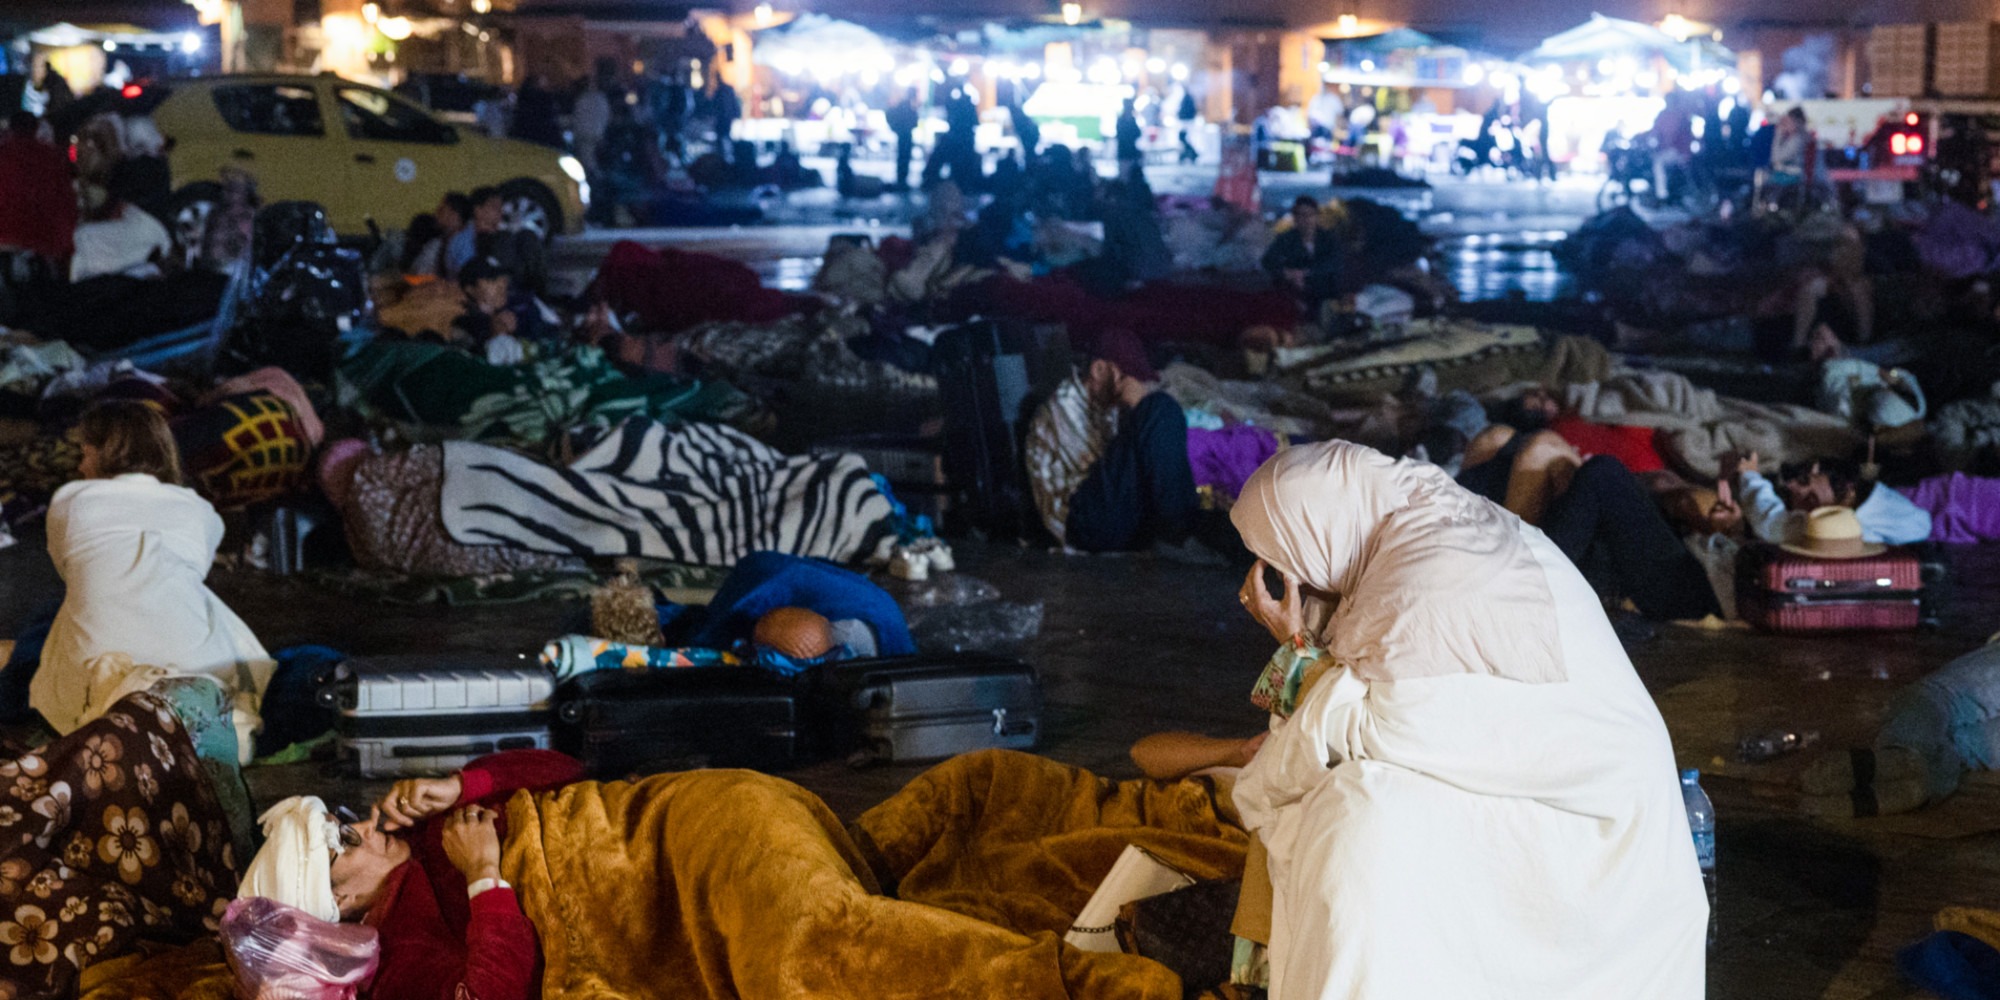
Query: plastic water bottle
{"points": [[1701, 820]]}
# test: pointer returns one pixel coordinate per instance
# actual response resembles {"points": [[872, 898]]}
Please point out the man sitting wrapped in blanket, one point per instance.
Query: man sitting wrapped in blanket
{"points": [[514, 879]]}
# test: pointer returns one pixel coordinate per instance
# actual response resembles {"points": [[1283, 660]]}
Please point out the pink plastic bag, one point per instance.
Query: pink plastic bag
{"points": [[279, 952]]}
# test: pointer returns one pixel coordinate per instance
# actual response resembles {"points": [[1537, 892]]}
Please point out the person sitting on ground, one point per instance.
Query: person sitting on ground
{"points": [[1452, 719], [1939, 729], [519, 251], [134, 548], [38, 216], [1305, 260], [426, 254], [1108, 457], [1597, 512], [806, 609], [489, 327]]}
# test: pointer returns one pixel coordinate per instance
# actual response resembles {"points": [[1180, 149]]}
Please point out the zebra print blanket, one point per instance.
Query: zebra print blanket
{"points": [[695, 493]]}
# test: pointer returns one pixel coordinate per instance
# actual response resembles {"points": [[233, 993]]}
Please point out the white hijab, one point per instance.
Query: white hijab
{"points": [[1432, 579], [295, 866]]}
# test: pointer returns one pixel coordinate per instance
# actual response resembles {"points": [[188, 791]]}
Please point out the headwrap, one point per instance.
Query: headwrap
{"points": [[295, 866], [1432, 579]]}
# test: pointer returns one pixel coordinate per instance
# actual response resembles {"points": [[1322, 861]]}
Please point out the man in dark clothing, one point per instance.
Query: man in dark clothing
{"points": [[903, 122], [727, 108], [957, 154], [538, 114], [1107, 456], [1188, 114], [1025, 130], [1128, 138], [1303, 259]]}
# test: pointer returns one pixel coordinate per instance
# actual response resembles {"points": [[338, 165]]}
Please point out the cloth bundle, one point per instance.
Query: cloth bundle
{"points": [[580, 654]]}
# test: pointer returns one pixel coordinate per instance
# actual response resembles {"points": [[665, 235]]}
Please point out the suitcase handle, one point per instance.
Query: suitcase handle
{"points": [[1806, 583], [461, 750]]}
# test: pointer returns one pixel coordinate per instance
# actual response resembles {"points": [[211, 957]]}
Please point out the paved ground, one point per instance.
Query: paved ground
{"points": [[1808, 909]]}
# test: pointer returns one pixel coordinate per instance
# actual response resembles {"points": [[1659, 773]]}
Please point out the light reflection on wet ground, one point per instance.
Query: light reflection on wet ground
{"points": [[1499, 266]]}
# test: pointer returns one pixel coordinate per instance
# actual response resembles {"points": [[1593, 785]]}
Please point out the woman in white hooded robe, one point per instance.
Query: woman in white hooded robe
{"points": [[1473, 795]]}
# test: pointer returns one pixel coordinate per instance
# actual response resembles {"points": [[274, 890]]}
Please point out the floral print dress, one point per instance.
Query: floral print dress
{"points": [[109, 835]]}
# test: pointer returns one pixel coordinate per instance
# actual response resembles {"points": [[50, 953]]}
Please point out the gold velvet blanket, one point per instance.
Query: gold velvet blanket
{"points": [[729, 884]]}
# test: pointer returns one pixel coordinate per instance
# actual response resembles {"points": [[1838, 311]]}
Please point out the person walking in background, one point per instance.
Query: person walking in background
{"points": [[726, 108], [1128, 138], [902, 118], [538, 114], [1189, 116]]}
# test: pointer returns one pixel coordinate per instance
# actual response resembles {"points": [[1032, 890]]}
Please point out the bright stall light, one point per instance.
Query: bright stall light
{"points": [[1032, 71], [395, 29], [960, 67], [1104, 71], [764, 15], [1072, 13], [1732, 86], [937, 76], [371, 12], [1180, 73], [1349, 24], [1473, 74], [1156, 65], [1367, 65], [110, 46], [482, 6]]}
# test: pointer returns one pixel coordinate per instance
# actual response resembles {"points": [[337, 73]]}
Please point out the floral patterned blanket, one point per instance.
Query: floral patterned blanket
{"points": [[116, 837]]}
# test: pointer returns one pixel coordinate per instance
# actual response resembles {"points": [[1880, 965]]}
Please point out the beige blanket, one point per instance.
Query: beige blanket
{"points": [[1697, 427]]}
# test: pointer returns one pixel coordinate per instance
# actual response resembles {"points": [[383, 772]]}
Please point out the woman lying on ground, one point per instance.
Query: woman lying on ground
{"points": [[1597, 512], [725, 883], [1466, 791], [134, 548]]}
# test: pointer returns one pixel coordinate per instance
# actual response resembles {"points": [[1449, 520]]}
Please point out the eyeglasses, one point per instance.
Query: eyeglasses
{"points": [[350, 837]]}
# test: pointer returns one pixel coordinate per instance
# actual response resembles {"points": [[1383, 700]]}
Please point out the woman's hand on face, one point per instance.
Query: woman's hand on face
{"points": [[472, 843], [1283, 618], [414, 800]]}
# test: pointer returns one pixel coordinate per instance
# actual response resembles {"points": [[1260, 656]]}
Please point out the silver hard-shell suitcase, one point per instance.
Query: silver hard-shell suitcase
{"points": [[407, 715]]}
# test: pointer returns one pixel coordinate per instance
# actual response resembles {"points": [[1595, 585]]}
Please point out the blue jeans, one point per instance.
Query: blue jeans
{"points": [[1142, 489]]}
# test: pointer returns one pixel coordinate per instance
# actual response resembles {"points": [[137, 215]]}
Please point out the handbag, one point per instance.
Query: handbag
{"points": [[1186, 930]]}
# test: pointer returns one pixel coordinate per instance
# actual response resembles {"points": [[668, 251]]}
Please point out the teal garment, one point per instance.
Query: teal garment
{"points": [[205, 712]]}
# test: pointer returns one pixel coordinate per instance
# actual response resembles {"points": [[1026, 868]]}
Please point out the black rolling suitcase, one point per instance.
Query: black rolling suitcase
{"points": [[991, 377], [622, 722], [921, 708], [408, 715]]}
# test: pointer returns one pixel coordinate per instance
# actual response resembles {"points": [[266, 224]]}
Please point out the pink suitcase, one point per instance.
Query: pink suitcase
{"points": [[1779, 591]]}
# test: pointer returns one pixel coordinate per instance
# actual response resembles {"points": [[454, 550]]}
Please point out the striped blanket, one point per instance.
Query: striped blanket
{"points": [[696, 493]]}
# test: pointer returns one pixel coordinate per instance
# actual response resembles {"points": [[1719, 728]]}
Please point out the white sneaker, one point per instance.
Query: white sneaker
{"points": [[910, 565], [940, 556]]}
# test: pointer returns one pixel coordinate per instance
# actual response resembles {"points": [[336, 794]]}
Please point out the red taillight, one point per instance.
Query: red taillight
{"points": [[1910, 119], [130, 91], [1916, 144], [1899, 144]]}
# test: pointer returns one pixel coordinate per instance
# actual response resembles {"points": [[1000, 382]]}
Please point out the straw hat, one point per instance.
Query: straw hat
{"points": [[1834, 533]]}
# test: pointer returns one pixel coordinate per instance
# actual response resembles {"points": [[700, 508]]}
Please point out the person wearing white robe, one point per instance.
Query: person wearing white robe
{"points": [[135, 554], [1476, 798]]}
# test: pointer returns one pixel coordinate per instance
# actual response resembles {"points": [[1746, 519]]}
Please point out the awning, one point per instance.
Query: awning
{"points": [[1602, 37]]}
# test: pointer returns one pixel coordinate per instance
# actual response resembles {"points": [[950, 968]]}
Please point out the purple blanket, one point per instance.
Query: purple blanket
{"points": [[1964, 509], [1224, 459]]}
